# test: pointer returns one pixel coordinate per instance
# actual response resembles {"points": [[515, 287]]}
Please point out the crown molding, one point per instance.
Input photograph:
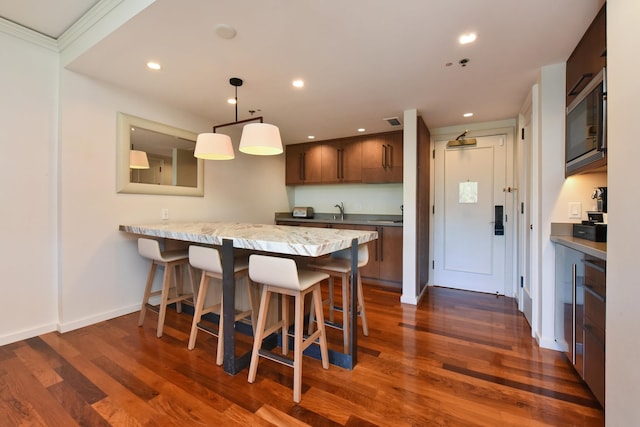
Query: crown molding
{"points": [[87, 21], [28, 35]]}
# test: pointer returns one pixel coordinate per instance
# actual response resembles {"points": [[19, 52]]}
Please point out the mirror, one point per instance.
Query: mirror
{"points": [[172, 168]]}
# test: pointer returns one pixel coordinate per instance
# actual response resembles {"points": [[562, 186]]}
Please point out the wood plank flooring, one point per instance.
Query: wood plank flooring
{"points": [[458, 359]]}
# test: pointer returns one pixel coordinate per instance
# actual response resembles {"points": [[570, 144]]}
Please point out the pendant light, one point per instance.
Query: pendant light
{"points": [[261, 139]]}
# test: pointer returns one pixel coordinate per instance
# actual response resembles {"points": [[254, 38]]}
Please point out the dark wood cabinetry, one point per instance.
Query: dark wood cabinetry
{"points": [[594, 325], [589, 57], [341, 161], [375, 158], [303, 164], [385, 253], [382, 158], [586, 62], [580, 314]]}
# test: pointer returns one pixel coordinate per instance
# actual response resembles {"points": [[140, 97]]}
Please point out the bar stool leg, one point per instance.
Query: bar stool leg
{"points": [[363, 314], [297, 346], [166, 284], [324, 351], [197, 314], [147, 293], [345, 312], [285, 323], [259, 334]]}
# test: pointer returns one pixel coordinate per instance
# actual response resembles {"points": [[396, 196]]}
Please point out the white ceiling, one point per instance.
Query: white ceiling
{"points": [[362, 60]]}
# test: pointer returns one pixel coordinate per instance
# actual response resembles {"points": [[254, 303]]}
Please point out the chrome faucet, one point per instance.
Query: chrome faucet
{"points": [[341, 207]]}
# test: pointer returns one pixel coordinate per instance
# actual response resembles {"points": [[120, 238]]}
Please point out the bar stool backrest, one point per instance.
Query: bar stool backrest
{"points": [[207, 259], [274, 271], [149, 248], [363, 254]]}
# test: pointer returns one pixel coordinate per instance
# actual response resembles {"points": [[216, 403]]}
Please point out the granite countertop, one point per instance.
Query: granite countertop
{"points": [[305, 241], [562, 234], [355, 219]]}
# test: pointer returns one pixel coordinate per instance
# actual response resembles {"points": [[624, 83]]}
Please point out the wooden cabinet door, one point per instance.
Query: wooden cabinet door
{"points": [[342, 161], [390, 239], [589, 56], [382, 158], [303, 164]]}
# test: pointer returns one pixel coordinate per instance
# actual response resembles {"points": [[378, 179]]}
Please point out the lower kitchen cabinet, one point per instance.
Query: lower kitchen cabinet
{"points": [[385, 254], [580, 314]]}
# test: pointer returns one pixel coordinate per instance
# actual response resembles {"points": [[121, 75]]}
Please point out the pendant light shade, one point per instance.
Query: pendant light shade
{"points": [[214, 146], [261, 139], [138, 159]]}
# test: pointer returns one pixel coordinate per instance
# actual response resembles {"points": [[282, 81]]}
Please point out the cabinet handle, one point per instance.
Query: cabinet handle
{"points": [[304, 166], [390, 156], [341, 163], [574, 88], [384, 155], [594, 266], [592, 291]]}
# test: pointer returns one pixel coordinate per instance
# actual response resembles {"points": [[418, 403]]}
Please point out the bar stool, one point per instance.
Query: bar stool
{"points": [[281, 276], [171, 261], [338, 264], [208, 260]]}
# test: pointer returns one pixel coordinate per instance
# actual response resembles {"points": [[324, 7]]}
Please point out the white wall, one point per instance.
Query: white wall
{"points": [[549, 174], [28, 209], [623, 289], [101, 275]]}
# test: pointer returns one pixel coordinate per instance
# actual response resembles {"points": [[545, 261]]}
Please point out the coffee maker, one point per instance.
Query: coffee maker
{"points": [[600, 196], [595, 227]]}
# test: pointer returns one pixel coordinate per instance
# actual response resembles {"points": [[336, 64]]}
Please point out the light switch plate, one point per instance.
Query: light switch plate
{"points": [[164, 213], [575, 210]]}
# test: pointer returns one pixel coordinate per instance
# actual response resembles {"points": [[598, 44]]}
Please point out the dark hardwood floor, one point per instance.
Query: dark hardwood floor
{"points": [[459, 358]]}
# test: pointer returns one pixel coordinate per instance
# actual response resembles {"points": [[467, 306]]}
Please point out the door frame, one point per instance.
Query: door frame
{"points": [[507, 128]]}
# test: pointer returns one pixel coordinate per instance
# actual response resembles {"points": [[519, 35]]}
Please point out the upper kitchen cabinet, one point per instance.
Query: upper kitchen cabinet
{"points": [[341, 161], [382, 157], [589, 56], [303, 164]]}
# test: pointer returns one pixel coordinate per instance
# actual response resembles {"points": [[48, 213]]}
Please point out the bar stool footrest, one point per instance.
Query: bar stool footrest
{"points": [[275, 357]]}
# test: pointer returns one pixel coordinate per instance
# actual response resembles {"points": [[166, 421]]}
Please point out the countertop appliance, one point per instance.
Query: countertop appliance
{"points": [[586, 124], [593, 229], [302, 212]]}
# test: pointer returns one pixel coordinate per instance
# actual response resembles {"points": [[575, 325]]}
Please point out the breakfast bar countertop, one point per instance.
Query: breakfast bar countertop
{"points": [[281, 239]]}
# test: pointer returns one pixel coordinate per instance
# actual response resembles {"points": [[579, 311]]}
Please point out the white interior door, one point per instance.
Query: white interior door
{"points": [[469, 185]]}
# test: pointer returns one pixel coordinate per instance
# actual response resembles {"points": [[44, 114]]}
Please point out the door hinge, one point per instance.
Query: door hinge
{"points": [[521, 207], [522, 281], [433, 210], [522, 134], [433, 265], [506, 218], [434, 153]]}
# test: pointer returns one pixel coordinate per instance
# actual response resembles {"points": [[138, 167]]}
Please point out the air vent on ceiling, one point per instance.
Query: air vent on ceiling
{"points": [[393, 121]]}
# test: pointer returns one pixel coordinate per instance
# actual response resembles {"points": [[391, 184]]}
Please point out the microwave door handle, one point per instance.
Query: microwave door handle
{"points": [[603, 140], [574, 89]]}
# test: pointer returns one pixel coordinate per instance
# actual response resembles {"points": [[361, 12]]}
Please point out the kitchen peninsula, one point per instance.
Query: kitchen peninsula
{"points": [[286, 240]]}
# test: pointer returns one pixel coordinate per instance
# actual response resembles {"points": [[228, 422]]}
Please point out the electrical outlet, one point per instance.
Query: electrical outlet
{"points": [[164, 213], [575, 210]]}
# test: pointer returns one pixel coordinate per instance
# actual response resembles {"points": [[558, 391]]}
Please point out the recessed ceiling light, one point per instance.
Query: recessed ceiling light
{"points": [[153, 65], [361, 129], [232, 101], [311, 137], [298, 83], [468, 114], [467, 38]]}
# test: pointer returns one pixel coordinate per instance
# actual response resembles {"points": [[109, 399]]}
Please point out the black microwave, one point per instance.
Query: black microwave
{"points": [[587, 125]]}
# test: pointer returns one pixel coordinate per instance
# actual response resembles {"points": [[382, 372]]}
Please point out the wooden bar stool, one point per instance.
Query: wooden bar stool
{"points": [[172, 262], [338, 264], [208, 260], [281, 276]]}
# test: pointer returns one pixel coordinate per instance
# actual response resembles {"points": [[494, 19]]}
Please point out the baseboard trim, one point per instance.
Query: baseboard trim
{"points": [[81, 323], [27, 333]]}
